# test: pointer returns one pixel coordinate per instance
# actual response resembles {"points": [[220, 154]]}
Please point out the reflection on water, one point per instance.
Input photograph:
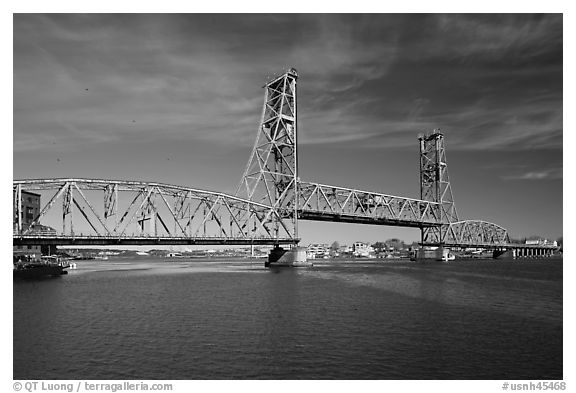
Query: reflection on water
{"points": [[153, 319]]}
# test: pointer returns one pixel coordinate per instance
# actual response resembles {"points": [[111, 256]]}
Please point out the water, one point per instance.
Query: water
{"points": [[153, 319]]}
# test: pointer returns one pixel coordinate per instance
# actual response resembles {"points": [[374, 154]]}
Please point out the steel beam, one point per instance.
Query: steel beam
{"points": [[145, 241]]}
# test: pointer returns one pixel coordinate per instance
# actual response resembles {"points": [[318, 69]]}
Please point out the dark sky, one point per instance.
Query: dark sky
{"points": [[177, 99]]}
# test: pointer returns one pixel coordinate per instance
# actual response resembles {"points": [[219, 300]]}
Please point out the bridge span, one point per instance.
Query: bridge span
{"points": [[268, 204]]}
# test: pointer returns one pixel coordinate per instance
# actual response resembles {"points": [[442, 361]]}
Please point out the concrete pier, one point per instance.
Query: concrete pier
{"points": [[294, 257], [504, 254], [524, 252], [424, 255]]}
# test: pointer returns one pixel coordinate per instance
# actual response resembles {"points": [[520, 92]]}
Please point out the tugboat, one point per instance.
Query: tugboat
{"points": [[47, 267]]}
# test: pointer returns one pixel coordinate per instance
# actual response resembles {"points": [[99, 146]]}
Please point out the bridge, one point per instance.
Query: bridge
{"points": [[268, 204]]}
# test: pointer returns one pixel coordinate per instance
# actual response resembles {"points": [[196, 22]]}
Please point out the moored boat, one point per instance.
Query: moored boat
{"points": [[46, 267]]}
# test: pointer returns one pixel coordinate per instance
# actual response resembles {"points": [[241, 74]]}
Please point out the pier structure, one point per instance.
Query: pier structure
{"points": [[268, 204], [525, 251]]}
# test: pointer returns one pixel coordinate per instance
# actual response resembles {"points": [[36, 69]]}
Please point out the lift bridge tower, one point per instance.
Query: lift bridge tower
{"points": [[435, 186], [271, 175]]}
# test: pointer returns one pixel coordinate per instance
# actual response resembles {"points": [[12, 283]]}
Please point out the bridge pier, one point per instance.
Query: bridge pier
{"points": [[529, 252], [504, 253], [424, 255], [294, 257]]}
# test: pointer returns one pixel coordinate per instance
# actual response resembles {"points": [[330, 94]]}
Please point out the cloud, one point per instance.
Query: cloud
{"points": [[369, 80], [98, 74], [525, 126], [498, 37], [545, 174]]}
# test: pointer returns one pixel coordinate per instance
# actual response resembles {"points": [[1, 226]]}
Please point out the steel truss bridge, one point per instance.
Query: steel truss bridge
{"points": [[266, 208]]}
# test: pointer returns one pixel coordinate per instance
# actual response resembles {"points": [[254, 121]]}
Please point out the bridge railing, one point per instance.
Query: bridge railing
{"points": [[325, 202]]}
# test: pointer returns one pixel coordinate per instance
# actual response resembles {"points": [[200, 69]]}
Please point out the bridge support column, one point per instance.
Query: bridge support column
{"points": [[504, 254], [294, 257], [426, 255]]}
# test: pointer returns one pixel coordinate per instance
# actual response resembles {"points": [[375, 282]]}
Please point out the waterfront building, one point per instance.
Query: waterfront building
{"points": [[29, 210], [363, 250], [345, 250], [542, 242], [315, 251]]}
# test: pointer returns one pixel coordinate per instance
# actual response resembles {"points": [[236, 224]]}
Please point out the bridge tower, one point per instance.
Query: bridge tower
{"points": [[271, 175], [435, 185]]}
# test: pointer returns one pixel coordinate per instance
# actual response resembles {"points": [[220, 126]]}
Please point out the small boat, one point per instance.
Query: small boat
{"points": [[447, 257], [46, 267]]}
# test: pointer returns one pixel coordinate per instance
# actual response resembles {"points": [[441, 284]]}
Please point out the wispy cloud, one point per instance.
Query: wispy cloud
{"points": [[488, 38], [365, 79], [546, 174]]}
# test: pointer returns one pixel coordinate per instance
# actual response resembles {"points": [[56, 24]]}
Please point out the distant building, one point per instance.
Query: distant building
{"points": [[361, 249], [315, 251], [541, 242], [31, 210], [345, 250]]}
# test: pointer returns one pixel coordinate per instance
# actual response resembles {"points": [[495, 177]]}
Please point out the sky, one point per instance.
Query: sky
{"points": [[176, 98]]}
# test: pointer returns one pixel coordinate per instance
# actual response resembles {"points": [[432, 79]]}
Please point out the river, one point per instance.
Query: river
{"points": [[198, 319]]}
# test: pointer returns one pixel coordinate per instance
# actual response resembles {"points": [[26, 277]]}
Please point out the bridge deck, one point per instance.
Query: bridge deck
{"points": [[490, 245], [144, 241], [311, 215]]}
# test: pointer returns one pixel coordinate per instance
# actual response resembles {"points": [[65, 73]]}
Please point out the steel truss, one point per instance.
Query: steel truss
{"points": [[434, 179], [435, 186], [329, 203], [271, 176], [130, 212], [471, 233]]}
